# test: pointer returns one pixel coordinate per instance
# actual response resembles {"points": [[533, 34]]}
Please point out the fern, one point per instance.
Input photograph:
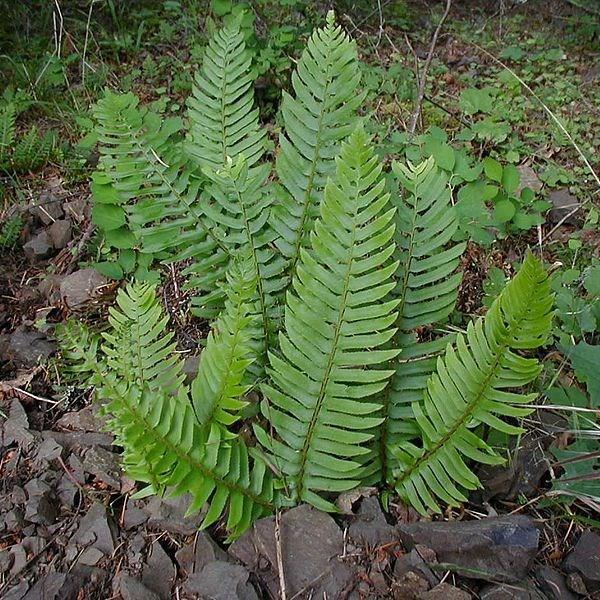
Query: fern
{"points": [[468, 389], [224, 121], [427, 289], [320, 116], [32, 151], [10, 231], [321, 401]]}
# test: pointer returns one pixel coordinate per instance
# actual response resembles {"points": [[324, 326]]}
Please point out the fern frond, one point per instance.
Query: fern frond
{"points": [[224, 121], [79, 351], [33, 150], [427, 289], [337, 317], [316, 120], [8, 117], [468, 389], [153, 418], [239, 200]]}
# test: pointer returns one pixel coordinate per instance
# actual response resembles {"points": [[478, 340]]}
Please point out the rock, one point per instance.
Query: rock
{"points": [[78, 288], [90, 557], [168, 514], [563, 202], [445, 591], [552, 583], [413, 563], [584, 560], [86, 419], [19, 559], [49, 288], [75, 440], [78, 209], [190, 368], [60, 233], [41, 506], [15, 430], [221, 581], [38, 247], [576, 584], [48, 587], [159, 572], [529, 179], [95, 530], [104, 465], [17, 592], [132, 589], [494, 549], [134, 517], [28, 348], [505, 591], [47, 451], [48, 209], [311, 544], [193, 557], [6, 561], [410, 587], [370, 527]]}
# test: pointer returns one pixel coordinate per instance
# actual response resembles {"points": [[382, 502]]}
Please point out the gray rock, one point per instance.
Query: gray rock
{"points": [[38, 247], [410, 586], [15, 430], [445, 591], [48, 587], [132, 589], [413, 562], [552, 583], [494, 549], [47, 451], [311, 544], [19, 559], [168, 514], [60, 233], [28, 348], [159, 572], [584, 560], [6, 561], [505, 591], [133, 516], [90, 557], [78, 209], [190, 368], [529, 179], [370, 527], [48, 208], [95, 530], [75, 440], [49, 287], [563, 202], [41, 506], [221, 581], [104, 465], [192, 558], [86, 419], [17, 592], [78, 288]]}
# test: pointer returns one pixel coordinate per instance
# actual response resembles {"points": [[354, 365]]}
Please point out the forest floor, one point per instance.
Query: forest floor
{"points": [[68, 525]]}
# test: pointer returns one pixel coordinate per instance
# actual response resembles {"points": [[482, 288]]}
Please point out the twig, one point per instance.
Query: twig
{"points": [[567, 216], [85, 43], [282, 589], [421, 93]]}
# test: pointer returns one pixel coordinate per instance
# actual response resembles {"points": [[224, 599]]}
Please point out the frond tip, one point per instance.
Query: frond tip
{"points": [[468, 389]]}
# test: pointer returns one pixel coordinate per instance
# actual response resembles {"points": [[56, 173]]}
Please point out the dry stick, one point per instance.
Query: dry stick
{"points": [[421, 93], [85, 43], [280, 572]]}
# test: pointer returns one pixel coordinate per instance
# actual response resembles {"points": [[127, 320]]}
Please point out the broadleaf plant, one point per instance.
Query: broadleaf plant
{"points": [[320, 287]]}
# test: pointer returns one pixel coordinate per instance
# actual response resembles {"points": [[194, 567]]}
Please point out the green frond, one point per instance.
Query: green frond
{"points": [[145, 175], [223, 120], [320, 115], [469, 389], [322, 402], [8, 117], [78, 350], [151, 414], [218, 387], [427, 289], [239, 200]]}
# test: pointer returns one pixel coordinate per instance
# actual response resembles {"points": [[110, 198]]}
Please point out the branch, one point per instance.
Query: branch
{"points": [[423, 78]]}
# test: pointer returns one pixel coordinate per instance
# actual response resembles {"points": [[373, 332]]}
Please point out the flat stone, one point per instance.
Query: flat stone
{"points": [[529, 179], [29, 348], [42, 505], [104, 465], [6, 561], [494, 549], [413, 562], [584, 560], [86, 419], [95, 530], [159, 572], [552, 583], [60, 233], [311, 544], [78, 288], [132, 589], [90, 557], [445, 591], [17, 592], [133, 516], [38, 247], [563, 202], [193, 557], [190, 368], [47, 451], [410, 586], [15, 430], [168, 514], [76, 440], [49, 287], [221, 581], [506, 591], [369, 526]]}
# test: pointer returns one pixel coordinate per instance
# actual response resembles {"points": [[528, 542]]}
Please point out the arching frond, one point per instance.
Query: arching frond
{"points": [[321, 403], [8, 117], [223, 119], [316, 119], [427, 287], [469, 389]]}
